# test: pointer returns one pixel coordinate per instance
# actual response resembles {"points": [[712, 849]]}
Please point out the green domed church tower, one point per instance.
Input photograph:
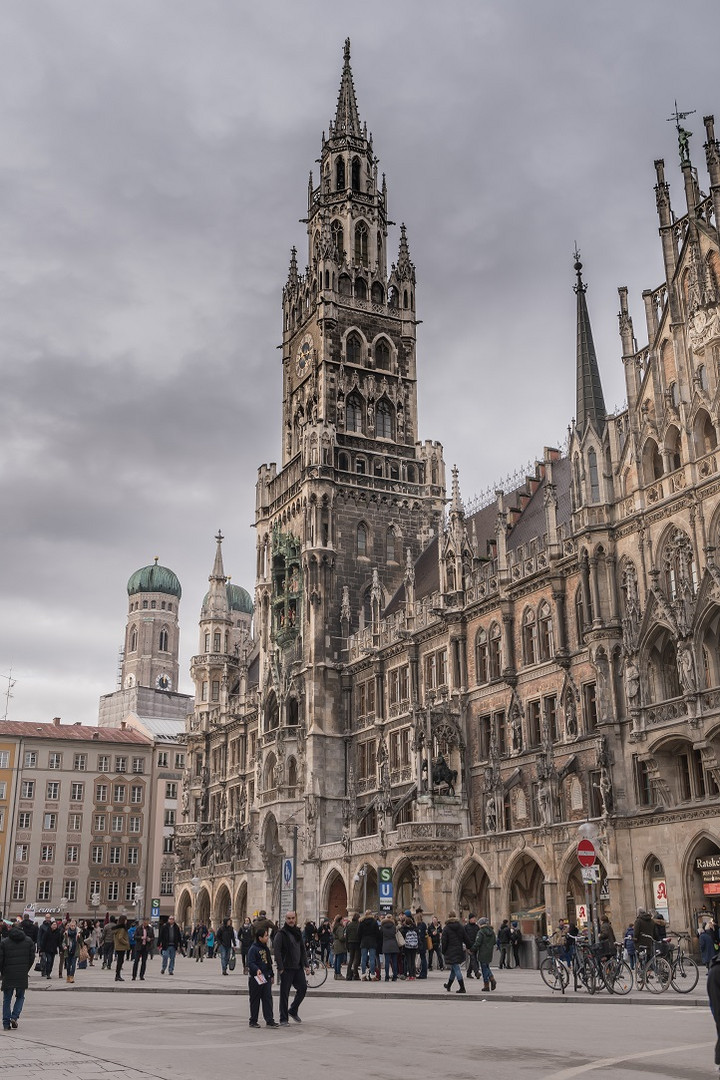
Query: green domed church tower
{"points": [[152, 634]]}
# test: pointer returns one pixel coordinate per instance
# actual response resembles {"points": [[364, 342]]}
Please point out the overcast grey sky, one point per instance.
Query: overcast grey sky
{"points": [[154, 165]]}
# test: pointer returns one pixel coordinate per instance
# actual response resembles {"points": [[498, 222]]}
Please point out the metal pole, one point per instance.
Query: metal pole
{"points": [[295, 847]]}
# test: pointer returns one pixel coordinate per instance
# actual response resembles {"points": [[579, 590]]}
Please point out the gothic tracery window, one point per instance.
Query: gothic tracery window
{"points": [[529, 636], [545, 631], [353, 414], [336, 232], [361, 244], [353, 349], [383, 420]]}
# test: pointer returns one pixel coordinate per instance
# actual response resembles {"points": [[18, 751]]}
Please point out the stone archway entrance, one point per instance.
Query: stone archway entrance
{"points": [[702, 883], [337, 898], [184, 910], [405, 889], [473, 893], [223, 906], [526, 896], [365, 888], [202, 907]]}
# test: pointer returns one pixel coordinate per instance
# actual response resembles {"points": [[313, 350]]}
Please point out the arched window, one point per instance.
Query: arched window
{"points": [[679, 565], [382, 354], [378, 469], [353, 349], [383, 420], [340, 174], [392, 297], [272, 713], [207, 642], [545, 631], [577, 480], [580, 618], [353, 414], [362, 539], [292, 774], [345, 285], [376, 293], [482, 657], [652, 462], [529, 636], [705, 434], [379, 242], [336, 232], [163, 643], [356, 174], [390, 552], [702, 377], [494, 653], [360, 289], [133, 639], [361, 244], [360, 466], [343, 461], [593, 474], [405, 298], [673, 446]]}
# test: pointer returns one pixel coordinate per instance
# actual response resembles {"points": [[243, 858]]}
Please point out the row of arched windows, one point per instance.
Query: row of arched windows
{"points": [[151, 604], [163, 639], [358, 352], [393, 542], [383, 468], [357, 422], [657, 461], [536, 639]]}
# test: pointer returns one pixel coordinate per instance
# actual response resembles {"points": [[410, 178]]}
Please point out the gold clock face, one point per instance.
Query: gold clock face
{"points": [[303, 359]]}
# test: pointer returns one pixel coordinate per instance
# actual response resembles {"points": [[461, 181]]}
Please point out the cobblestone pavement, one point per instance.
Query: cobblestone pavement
{"points": [[66, 1031]]}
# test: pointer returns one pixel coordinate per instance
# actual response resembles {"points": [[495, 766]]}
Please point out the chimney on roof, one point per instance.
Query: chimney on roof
{"points": [[96, 734], [56, 721], [123, 724], [78, 723]]}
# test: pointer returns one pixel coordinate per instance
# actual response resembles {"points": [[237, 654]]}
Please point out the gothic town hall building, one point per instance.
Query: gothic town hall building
{"points": [[459, 696]]}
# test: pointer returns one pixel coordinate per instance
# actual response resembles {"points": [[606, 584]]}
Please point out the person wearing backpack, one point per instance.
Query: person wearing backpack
{"points": [[412, 942]]}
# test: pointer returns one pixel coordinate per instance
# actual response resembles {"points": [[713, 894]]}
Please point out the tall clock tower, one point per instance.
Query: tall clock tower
{"points": [[356, 490]]}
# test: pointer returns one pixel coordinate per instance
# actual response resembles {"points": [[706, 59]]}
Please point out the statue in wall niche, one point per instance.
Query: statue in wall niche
{"points": [[490, 814], [345, 604], [686, 667], [605, 788], [602, 685], [516, 727], [185, 801], [571, 726], [545, 802], [345, 839], [631, 677]]}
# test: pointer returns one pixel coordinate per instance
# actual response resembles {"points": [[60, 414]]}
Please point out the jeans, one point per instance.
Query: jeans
{"points": [[423, 964], [293, 977], [141, 955], [486, 973], [168, 955], [391, 961], [455, 973], [108, 950], [14, 1013], [368, 957], [47, 959], [71, 964], [225, 951], [339, 958]]}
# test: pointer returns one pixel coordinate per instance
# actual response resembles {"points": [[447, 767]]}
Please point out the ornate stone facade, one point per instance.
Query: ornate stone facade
{"points": [[454, 693]]}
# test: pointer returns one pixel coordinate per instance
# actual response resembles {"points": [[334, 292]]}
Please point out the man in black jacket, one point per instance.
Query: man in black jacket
{"points": [[142, 948], [292, 962], [225, 939], [17, 956], [170, 941], [30, 929], [471, 930]]}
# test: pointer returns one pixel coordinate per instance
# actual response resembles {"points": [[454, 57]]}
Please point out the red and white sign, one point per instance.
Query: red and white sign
{"points": [[586, 853], [581, 915]]}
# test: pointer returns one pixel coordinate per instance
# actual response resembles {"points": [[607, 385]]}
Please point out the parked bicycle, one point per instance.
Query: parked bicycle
{"points": [[684, 971], [554, 970], [652, 971], [317, 970]]}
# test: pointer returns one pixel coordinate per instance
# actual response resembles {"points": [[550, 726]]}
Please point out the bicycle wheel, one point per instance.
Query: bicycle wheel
{"points": [[658, 974], [554, 973], [317, 973], [588, 976], [618, 977], [685, 975]]}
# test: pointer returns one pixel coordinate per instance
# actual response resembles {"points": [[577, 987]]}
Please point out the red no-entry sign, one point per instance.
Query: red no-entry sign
{"points": [[586, 853]]}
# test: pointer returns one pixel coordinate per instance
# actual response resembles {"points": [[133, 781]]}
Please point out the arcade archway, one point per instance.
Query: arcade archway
{"points": [[473, 895], [222, 908]]}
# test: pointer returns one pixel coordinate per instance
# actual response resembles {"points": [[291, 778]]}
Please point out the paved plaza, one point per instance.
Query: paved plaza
{"points": [[194, 1025]]}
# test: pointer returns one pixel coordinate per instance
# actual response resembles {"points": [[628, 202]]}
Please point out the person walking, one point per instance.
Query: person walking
{"points": [[170, 941], [435, 934], [422, 930], [260, 977], [225, 944], [108, 941], [368, 946], [516, 942], [453, 950], [352, 940], [471, 929], [17, 956], [49, 936], [503, 940], [292, 962], [121, 943], [247, 938], [390, 948], [142, 948], [483, 947], [72, 943], [199, 938]]}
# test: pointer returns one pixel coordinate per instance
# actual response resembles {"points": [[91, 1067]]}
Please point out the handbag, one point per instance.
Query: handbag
{"points": [[232, 961], [400, 939], [83, 955], [428, 942]]}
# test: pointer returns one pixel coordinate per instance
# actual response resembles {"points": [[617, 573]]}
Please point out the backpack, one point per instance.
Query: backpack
{"points": [[411, 939]]}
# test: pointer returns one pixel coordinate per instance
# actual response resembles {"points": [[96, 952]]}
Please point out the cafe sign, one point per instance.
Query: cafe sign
{"points": [[709, 868]]}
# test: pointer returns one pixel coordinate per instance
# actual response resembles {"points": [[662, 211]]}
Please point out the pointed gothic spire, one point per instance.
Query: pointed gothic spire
{"points": [[347, 120], [293, 271], [590, 401], [216, 601], [405, 265], [456, 506], [218, 571]]}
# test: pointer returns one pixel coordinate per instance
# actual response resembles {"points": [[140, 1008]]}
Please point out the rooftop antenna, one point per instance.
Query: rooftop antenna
{"points": [[8, 692]]}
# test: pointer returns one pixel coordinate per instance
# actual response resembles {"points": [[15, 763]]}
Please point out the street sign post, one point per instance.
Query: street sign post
{"points": [[590, 874], [586, 853], [287, 888], [385, 889]]}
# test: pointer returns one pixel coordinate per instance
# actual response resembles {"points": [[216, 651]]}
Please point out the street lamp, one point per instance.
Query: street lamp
{"points": [[362, 873]]}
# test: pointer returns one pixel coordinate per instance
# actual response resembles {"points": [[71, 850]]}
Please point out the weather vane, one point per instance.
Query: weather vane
{"points": [[683, 135]]}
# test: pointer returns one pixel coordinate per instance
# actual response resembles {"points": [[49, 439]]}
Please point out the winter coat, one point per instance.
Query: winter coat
{"points": [[707, 947], [226, 937], [339, 945], [49, 940], [503, 935], [644, 933], [30, 929], [72, 943], [389, 941], [170, 935], [109, 933], [453, 942], [138, 939], [17, 956], [289, 949], [484, 943], [259, 959], [246, 937], [121, 941], [368, 933], [606, 932], [352, 934], [470, 930]]}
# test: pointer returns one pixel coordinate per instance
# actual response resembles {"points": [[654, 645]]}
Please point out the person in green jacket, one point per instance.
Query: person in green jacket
{"points": [[483, 946]]}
